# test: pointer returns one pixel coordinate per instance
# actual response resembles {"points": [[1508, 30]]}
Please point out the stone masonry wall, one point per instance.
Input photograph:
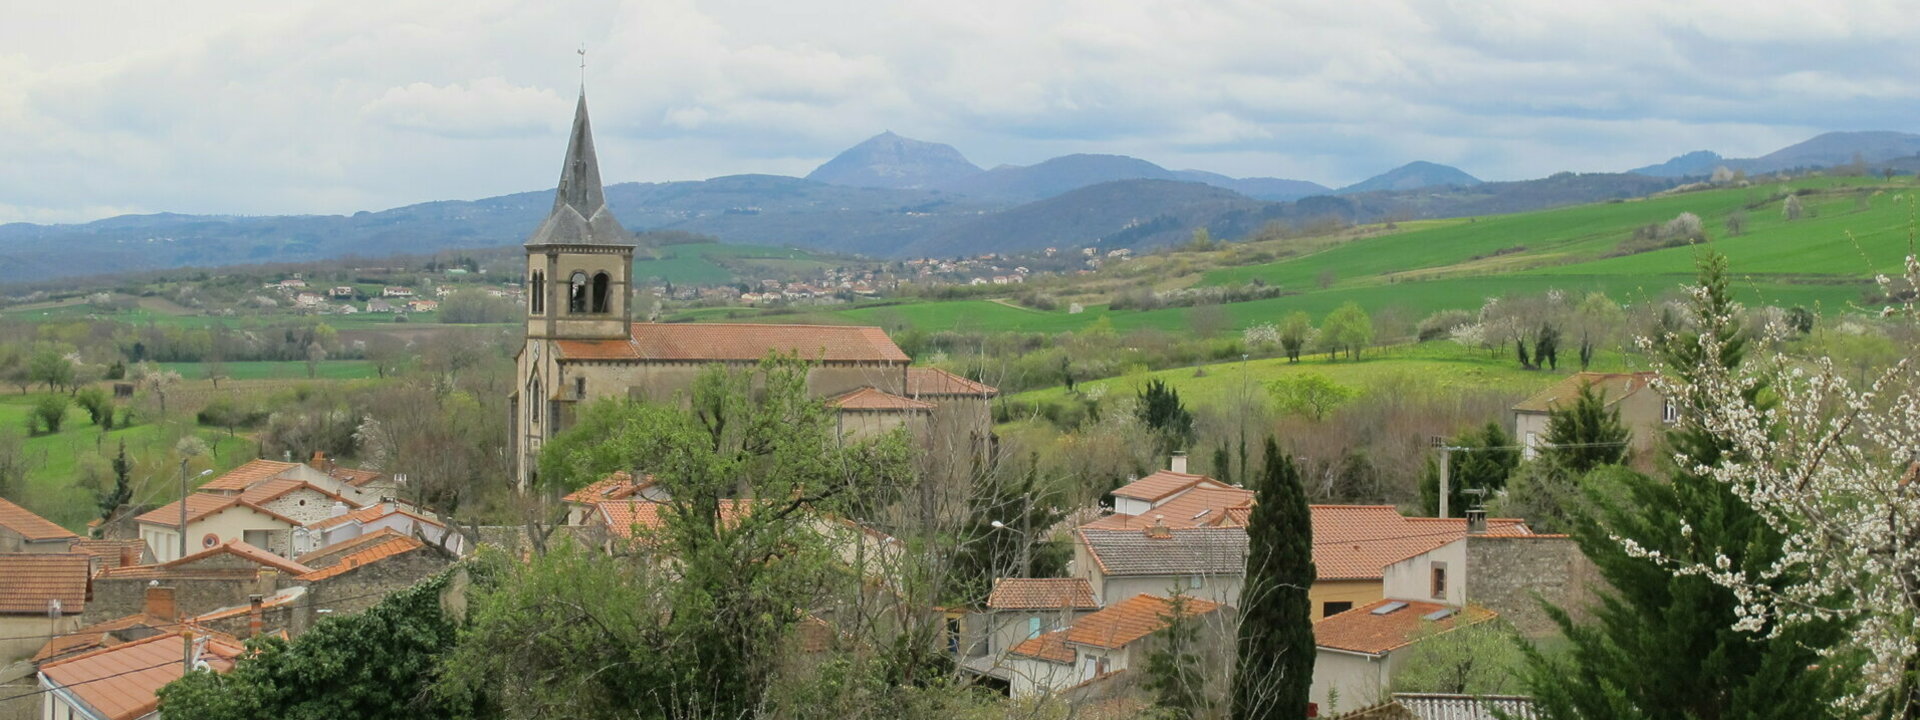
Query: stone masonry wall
{"points": [[1506, 573]]}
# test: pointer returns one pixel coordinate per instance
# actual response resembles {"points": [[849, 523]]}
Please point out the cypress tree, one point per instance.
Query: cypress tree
{"points": [[1662, 645], [1586, 435], [1274, 669]]}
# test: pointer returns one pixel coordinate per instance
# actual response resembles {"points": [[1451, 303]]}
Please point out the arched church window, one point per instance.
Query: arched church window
{"points": [[537, 292], [534, 402], [602, 286], [577, 293]]}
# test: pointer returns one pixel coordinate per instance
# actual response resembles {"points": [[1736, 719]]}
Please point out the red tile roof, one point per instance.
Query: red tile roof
{"points": [[137, 670], [109, 552], [33, 579], [240, 549], [1202, 506], [1042, 594], [623, 516], [1051, 647], [618, 486], [1164, 483], [739, 342], [371, 513], [103, 634], [934, 381], [385, 548], [868, 398], [323, 556], [201, 505], [270, 490], [1131, 619], [1355, 542], [28, 525], [246, 475], [285, 597], [1360, 630]]}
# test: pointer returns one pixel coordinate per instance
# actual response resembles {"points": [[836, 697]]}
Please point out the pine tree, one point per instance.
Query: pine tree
{"points": [[1173, 671], [1661, 645], [1485, 463], [1274, 670], [1162, 411], [122, 484], [1586, 435]]}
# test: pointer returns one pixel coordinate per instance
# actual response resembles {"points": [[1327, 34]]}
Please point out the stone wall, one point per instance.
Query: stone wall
{"points": [[1506, 573], [193, 595], [363, 587]]}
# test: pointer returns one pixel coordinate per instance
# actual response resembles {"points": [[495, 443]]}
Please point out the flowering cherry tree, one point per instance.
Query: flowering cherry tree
{"points": [[1829, 464]]}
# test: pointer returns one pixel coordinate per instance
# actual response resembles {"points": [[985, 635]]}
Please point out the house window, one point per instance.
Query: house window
{"points": [[537, 292], [1194, 582], [1033, 627], [580, 388], [1533, 444], [533, 402], [602, 287], [577, 293], [1439, 580], [1330, 609], [1669, 413]]}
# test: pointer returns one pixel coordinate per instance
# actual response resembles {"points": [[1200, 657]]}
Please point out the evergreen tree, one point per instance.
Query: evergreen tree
{"points": [[122, 484], [1546, 348], [1586, 434], [1662, 645], [1274, 670], [1163, 413], [1173, 672], [1487, 458]]}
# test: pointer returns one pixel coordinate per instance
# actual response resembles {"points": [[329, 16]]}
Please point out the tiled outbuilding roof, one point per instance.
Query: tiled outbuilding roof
{"points": [[1131, 619], [104, 634], [1613, 387], [270, 490], [1164, 483], [1201, 506], [1181, 551], [28, 581], [923, 381], [1042, 594], [1051, 647], [375, 552], [243, 477], [137, 670], [618, 486], [1362, 630], [1356, 542], [868, 398], [623, 516], [240, 549], [28, 525]]}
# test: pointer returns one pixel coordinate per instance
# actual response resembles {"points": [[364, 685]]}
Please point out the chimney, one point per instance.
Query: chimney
{"points": [[129, 556], [1476, 521], [339, 508], [254, 620], [160, 602], [1179, 462], [1159, 530]]}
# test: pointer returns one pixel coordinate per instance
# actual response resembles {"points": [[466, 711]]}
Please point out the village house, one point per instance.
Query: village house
{"points": [[264, 516], [396, 291], [342, 292], [584, 504], [123, 682], [41, 594], [1643, 410], [347, 524], [1201, 562], [1020, 609], [1360, 650], [1115, 639], [223, 575], [379, 305], [21, 531]]}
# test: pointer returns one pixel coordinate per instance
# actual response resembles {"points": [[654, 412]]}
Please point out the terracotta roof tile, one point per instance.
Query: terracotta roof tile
{"points": [[247, 474], [103, 634], [368, 555], [111, 552], [28, 525], [270, 490], [618, 486], [623, 516], [138, 670], [33, 579], [1355, 542], [1201, 506], [199, 505], [286, 596], [934, 381], [1185, 551], [1042, 594], [323, 556], [354, 476], [596, 349], [1051, 647], [1360, 630], [1164, 483], [1614, 386], [749, 342], [240, 549], [868, 398], [1131, 619]]}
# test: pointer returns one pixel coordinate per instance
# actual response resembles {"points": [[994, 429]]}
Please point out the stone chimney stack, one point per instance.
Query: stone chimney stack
{"points": [[1159, 530], [160, 602], [1476, 521], [1179, 462], [254, 620]]}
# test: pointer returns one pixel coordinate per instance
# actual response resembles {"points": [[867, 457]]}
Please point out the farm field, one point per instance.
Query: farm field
{"points": [[707, 263], [51, 488], [287, 370]]}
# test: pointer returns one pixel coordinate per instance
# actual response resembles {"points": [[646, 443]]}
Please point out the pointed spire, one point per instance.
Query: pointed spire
{"points": [[580, 214]]}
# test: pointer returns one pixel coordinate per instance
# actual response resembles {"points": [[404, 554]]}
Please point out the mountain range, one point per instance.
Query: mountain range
{"points": [[891, 196]]}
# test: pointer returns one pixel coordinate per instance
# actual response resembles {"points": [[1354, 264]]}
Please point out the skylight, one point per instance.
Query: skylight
{"points": [[1389, 608], [1441, 614]]}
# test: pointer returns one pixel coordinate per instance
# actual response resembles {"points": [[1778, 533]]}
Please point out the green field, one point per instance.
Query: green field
{"points": [[287, 370], [51, 488], [709, 263]]}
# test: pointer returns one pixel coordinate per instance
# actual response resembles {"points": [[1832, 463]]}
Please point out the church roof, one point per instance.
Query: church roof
{"points": [[580, 215], [740, 342]]}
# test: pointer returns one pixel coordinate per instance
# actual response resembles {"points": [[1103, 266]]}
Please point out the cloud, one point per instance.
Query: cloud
{"points": [[237, 107]]}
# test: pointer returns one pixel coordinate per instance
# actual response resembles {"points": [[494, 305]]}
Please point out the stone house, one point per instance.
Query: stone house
{"points": [[1643, 410], [41, 594], [1207, 563], [1507, 574], [584, 503], [222, 576]]}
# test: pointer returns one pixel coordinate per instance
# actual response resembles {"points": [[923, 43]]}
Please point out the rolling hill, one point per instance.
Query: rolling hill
{"points": [[891, 161], [1414, 176]]}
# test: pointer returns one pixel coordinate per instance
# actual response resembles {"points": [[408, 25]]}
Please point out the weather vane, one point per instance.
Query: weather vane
{"points": [[583, 65]]}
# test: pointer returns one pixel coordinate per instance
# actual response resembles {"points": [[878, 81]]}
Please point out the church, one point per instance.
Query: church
{"points": [[582, 343]]}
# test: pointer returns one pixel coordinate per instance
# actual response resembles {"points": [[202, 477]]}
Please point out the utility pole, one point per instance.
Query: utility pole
{"points": [[1446, 470], [183, 521]]}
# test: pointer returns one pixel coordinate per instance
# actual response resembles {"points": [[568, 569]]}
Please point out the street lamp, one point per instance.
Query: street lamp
{"points": [[1026, 563], [183, 503]]}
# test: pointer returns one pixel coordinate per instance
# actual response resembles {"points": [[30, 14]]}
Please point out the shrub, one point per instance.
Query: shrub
{"points": [[1441, 324], [48, 413]]}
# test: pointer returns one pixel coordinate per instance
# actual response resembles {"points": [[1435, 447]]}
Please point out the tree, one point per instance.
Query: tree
{"points": [[51, 367], [16, 369], [1546, 347], [1791, 208], [1478, 659], [49, 412], [1667, 645], [14, 463], [315, 354], [1311, 394], [1346, 328], [158, 383], [1486, 459], [122, 492], [98, 404], [1163, 413], [1207, 320], [1597, 320], [378, 664], [1296, 330], [1174, 669], [1736, 223], [1274, 669], [1002, 522], [1586, 434]]}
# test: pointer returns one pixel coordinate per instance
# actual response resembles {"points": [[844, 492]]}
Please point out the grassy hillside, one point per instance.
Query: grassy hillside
{"points": [[714, 263]]}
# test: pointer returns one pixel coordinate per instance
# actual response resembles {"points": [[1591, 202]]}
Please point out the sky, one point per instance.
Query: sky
{"points": [[293, 106]]}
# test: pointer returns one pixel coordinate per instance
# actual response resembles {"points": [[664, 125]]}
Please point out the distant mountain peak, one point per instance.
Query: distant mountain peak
{"points": [[889, 160], [1413, 176]]}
